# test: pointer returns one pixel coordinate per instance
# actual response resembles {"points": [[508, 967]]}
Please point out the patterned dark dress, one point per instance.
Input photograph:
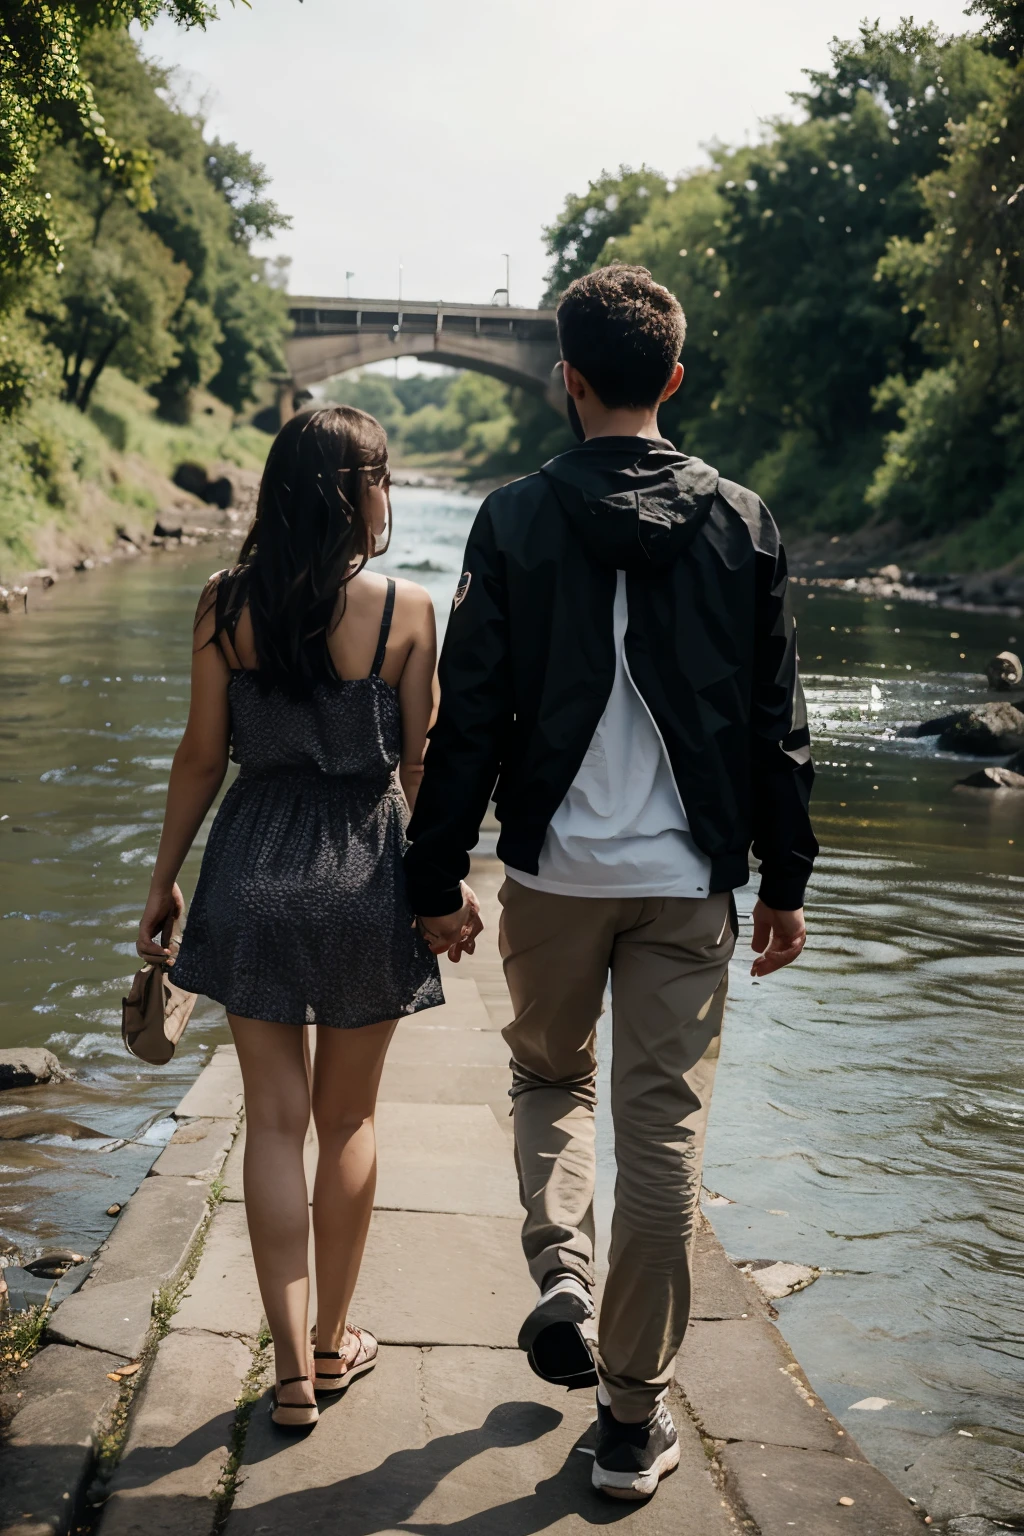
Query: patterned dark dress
{"points": [[300, 914]]}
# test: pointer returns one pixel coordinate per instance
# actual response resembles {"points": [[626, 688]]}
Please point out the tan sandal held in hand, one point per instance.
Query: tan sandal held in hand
{"points": [[293, 1415], [364, 1360]]}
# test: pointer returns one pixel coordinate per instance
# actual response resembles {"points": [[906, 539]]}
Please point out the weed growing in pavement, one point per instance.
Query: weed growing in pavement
{"points": [[252, 1390], [20, 1336]]}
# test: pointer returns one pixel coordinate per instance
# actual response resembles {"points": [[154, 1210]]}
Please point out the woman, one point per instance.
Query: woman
{"points": [[318, 674]]}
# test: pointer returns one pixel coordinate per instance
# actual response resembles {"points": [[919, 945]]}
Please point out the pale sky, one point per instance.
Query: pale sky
{"points": [[441, 133]]}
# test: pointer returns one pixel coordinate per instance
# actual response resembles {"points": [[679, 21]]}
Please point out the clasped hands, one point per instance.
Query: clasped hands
{"points": [[455, 933]]}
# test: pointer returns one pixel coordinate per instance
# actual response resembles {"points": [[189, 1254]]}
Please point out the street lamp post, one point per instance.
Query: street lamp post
{"points": [[508, 288], [348, 278]]}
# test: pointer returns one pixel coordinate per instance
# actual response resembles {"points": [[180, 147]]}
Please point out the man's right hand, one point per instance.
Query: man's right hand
{"points": [[455, 933], [778, 938]]}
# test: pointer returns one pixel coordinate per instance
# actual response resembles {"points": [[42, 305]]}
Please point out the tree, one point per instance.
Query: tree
{"points": [[46, 99], [241, 182], [959, 445], [1004, 29], [113, 304], [609, 208], [792, 325]]}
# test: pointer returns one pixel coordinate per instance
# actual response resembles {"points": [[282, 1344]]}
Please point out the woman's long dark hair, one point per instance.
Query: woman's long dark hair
{"points": [[308, 539]]}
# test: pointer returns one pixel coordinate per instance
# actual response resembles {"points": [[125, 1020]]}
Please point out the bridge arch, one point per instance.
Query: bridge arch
{"points": [[334, 336]]}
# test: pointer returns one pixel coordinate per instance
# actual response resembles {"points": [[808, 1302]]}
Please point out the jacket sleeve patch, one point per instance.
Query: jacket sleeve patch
{"points": [[462, 589]]}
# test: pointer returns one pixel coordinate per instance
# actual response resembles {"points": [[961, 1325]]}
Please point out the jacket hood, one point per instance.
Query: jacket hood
{"points": [[635, 503]]}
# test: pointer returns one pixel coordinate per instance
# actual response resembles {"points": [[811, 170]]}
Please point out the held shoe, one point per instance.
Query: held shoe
{"points": [[631, 1459], [553, 1338]]}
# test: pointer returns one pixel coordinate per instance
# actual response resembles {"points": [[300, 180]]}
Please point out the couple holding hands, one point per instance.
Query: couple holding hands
{"points": [[619, 674]]}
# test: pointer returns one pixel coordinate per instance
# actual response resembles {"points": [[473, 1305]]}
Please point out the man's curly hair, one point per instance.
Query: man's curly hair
{"points": [[623, 332]]}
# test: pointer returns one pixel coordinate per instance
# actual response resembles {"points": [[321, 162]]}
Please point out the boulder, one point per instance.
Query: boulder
{"points": [[192, 478], [993, 778], [25, 1065], [986, 730], [1004, 671], [927, 727]]}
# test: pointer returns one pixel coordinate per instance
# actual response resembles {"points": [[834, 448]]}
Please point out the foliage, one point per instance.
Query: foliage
{"points": [[1004, 29], [822, 286], [84, 473], [46, 98], [474, 418], [461, 420], [609, 207], [958, 448], [164, 288], [208, 204]]}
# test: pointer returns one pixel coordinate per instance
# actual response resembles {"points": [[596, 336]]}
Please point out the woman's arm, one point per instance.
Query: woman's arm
{"points": [[417, 692], [418, 697], [197, 773]]}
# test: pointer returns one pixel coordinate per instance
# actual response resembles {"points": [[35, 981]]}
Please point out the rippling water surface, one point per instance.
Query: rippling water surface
{"points": [[869, 1109]]}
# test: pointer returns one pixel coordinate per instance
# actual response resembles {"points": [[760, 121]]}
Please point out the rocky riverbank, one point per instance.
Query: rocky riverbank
{"points": [[982, 592]]}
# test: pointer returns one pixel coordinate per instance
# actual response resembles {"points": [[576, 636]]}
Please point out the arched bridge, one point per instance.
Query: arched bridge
{"points": [[332, 336]]}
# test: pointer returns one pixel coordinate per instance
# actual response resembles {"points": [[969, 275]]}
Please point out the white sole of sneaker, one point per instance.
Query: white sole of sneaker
{"points": [[568, 1306], [635, 1485]]}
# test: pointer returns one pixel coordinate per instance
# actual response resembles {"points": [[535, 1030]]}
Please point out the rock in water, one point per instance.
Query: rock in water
{"points": [[775, 1279], [22, 1127], [987, 730], [955, 1476], [26, 1065], [993, 778], [1004, 671]]}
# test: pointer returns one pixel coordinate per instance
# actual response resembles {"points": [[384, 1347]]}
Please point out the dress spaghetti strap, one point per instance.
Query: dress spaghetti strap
{"points": [[385, 629]]}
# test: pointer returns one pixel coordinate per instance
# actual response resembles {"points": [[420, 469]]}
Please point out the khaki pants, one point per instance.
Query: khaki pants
{"points": [[668, 958]]}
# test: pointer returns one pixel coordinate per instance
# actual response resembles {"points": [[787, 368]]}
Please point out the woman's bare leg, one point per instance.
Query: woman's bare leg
{"points": [[346, 1075], [274, 1063]]}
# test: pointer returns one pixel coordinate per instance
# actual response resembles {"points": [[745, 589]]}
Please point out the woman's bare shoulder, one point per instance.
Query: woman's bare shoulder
{"points": [[411, 594]]}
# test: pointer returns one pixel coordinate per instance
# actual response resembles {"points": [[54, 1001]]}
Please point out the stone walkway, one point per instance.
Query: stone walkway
{"points": [[451, 1433]]}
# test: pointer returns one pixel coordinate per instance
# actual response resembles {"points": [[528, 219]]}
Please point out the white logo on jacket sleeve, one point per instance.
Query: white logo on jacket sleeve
{"points": [[462, 588]]}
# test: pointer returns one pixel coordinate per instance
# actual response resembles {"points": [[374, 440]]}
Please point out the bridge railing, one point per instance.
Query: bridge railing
{"points": [[421, 320]]}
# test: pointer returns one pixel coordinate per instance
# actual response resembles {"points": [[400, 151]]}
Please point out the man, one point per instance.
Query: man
{"points": [[621, 662]]}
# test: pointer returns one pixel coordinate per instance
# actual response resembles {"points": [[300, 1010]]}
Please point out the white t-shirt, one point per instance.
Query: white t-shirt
{"points": [[621, 829]]}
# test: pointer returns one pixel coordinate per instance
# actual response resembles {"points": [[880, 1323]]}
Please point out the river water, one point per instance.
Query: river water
{"points": [[869, 1107]]}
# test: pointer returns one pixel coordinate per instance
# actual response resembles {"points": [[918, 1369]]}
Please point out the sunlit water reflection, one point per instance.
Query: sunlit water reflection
{"points": [[869, 1106]]}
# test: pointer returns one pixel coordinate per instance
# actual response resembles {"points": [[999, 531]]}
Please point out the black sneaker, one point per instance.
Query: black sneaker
{"points": [[633, 1458], [552, 1337]]}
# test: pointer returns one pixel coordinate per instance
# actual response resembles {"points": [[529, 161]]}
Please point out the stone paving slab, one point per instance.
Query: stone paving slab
{"points": [[180, 1439], [464, 1441], [440, 1084], [742, 1383], [216, 1093], [432, 1157], [428, 1045], [434, 1279], [223, 1296], [196, 1150], [153, 1235], [146, 1251], [789, 1492], [444, 1157], [114, 1317], [65, 1402], [719, 1290]]}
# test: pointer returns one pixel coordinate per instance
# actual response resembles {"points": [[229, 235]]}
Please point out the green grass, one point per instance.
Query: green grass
{"points": [[67, 480]]}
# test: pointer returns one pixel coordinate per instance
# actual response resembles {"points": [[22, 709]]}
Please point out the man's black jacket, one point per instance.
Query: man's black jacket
{"points": [[529, 659]]}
